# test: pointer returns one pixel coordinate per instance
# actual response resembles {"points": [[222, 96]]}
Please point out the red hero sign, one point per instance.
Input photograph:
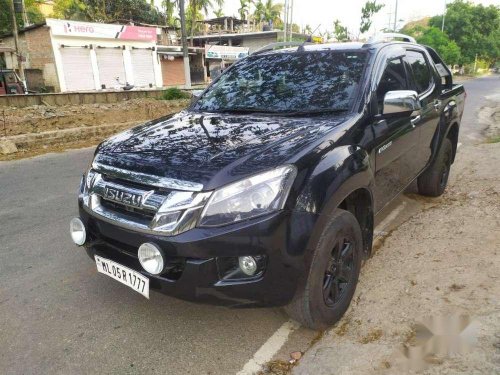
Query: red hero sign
{"points": [[102, 30]]}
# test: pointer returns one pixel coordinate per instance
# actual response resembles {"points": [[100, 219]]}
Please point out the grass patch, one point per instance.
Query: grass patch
{"points": [[494, 139], [174, 93]]}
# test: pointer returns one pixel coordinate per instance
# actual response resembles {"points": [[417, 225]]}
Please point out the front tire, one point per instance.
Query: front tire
{"points": [[324, 295], [433, 181]]}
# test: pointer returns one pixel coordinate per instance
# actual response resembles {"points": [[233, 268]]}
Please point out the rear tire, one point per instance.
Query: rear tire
{"points": [[433, 181], [325, 293]]}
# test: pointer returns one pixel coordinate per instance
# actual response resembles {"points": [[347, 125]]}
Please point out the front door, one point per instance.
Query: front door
{"points": [[423, 82], [395, 138]]}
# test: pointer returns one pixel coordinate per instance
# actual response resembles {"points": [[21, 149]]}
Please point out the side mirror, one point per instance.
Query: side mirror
{"points": [[400, 101]]}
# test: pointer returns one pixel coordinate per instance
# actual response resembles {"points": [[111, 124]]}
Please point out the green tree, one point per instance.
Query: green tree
{"points": [[474, 28], [369, 9], [194, 11], [435, 38], [219, 12], [32, 12], [268, 12], [244, 9], [109, 11], [340, 32], [169, 8], [70, 10]]}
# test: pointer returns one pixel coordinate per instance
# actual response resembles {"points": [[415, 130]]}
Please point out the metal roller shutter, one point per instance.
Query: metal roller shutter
{"points": [[142, 67], [77, 69], [110, 65]]}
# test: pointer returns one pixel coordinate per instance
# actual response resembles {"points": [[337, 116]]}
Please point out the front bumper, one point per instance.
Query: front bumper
{"points": [[281, 237]]}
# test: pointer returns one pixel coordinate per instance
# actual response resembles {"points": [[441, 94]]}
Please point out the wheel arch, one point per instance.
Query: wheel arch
{"points": [[346, 184]]}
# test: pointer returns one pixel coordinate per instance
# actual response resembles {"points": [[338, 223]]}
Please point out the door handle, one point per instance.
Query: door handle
{"points": [[415, 120]]}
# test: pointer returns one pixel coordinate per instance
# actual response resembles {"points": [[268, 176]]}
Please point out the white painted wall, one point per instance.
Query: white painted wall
{"points": [[57, 40]]}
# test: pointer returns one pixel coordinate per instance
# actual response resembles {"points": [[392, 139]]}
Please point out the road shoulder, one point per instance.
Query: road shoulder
{"points": [[444, 262]]}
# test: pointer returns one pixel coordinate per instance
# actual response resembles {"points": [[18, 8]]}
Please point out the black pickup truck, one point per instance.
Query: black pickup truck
{"points": [[265, 190]]}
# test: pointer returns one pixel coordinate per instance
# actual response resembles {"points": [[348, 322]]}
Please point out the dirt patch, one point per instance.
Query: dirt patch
{"points": [[490, 115], [442, 261], [41, 118]]}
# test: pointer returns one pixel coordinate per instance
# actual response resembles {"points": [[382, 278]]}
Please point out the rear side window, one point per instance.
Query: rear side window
{"points": [[420, 70]]}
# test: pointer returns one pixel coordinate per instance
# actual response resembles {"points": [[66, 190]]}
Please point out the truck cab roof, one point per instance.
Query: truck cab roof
{"points": [[377, 42]]}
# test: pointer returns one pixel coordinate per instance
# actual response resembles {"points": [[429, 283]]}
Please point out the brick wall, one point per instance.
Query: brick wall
{"points": [[35, 44], [172, 71]]}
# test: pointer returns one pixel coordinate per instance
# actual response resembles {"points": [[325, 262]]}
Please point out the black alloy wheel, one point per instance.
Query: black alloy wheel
{"points": [[339, 272]]}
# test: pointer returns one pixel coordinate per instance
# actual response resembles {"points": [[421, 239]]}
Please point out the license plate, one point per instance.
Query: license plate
{"points": [[125, 275]]}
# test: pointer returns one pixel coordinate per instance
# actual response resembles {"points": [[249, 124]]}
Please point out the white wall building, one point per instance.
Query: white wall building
{"points": [[95, 56]]}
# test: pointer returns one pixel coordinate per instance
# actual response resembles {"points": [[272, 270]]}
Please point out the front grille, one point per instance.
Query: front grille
{"points": [[130, 184], [140, 207], [127, 210]]}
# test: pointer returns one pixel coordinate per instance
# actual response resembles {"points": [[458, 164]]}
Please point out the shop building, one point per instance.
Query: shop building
{"points": [[66, 56], [94, 56]]}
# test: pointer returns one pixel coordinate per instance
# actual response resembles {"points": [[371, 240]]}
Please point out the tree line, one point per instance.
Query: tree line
{"points": [[470, 31]]}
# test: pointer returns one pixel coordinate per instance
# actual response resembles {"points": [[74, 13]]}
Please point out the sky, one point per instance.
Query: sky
{"points": [[322, 13]]}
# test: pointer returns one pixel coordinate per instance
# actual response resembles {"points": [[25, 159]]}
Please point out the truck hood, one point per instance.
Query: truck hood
{"points": [[213, 149]]}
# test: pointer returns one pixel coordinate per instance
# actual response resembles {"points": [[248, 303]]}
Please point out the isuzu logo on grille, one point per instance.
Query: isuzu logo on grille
{"points": [[125, 197]]}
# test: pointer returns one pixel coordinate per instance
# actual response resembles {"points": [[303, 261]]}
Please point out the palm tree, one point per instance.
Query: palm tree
{"points": [[196, 6], [268, 12], [259, 13], [244, 8], [169, 7]]}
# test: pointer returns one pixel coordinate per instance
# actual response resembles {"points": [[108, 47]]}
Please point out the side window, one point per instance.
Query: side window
{"points": [[420, 69], [394, 78]]}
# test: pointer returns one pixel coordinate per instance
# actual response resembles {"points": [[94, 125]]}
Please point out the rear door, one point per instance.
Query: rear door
{"points": [[395, 138], [424, 82]]}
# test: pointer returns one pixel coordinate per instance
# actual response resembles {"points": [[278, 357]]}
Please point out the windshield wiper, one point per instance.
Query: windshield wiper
{"points": [[248, 110], [323, 111], [266, 111]]}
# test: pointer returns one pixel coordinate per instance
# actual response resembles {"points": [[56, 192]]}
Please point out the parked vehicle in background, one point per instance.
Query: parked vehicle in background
{"points": [[10, 83], [265, 191]]}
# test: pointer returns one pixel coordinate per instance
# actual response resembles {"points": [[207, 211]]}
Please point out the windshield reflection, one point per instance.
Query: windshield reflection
{"points": [[300, 82]]}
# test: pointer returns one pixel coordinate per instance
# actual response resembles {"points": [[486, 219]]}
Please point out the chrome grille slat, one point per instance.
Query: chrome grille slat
{"points": [[149, 180]]}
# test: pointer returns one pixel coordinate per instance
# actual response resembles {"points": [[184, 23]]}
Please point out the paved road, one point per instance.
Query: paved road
{"points": [[479, 92], [58, 316]]}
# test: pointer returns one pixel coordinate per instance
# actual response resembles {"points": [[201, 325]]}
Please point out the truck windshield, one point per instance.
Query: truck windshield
{"points": [[296, 82]]}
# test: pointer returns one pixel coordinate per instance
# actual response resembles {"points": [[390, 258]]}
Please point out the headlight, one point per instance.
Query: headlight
{"points": [[255, 196]]}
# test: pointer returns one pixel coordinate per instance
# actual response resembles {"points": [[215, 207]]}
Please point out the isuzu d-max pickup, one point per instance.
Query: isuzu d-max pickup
{"points": [[265, 190]]}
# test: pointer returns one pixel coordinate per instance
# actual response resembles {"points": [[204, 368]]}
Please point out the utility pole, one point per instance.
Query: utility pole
{"points": [[395, 16], [285, 23], [444, 14], [291, 19], [187, 72], [16, 44]]}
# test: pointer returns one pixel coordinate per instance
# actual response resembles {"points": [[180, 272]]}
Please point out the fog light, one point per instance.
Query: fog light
{"points": [[77, 231], [248, 265], [151, 258]]}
